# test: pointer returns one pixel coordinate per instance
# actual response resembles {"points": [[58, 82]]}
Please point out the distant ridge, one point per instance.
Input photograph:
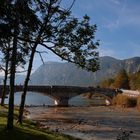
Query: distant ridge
{"points": [[56, 73]]}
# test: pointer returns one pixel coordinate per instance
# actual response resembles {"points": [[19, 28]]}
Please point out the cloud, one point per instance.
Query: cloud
{"points": [[117, 2], [124, 15], [86, 6], [117, 11], [1, 73], [106, 52], [112, 25]]}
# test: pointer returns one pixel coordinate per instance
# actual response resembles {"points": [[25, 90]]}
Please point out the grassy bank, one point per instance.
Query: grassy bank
{"points": [[28, 131]]}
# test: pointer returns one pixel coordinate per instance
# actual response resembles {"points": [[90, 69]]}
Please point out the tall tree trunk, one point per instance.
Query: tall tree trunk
{"points": [[25, 86], [12, 83], [23, 97], [5, 81]]}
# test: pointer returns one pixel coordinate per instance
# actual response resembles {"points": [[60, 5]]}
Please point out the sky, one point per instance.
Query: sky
{"points": [[118, 26]]}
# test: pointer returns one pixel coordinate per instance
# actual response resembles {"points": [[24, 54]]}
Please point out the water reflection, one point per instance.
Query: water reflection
{"points": [[33, 98], [38, 99]]}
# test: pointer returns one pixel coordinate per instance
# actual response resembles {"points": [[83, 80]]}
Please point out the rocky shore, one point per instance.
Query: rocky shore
{"points": [[89, 123]]}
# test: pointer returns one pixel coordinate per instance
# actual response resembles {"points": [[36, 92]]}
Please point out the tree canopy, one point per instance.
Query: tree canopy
{"points": [[28, 24]]}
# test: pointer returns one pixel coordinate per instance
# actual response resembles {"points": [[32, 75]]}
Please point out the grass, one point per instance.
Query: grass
{"points": [[27, 131]]}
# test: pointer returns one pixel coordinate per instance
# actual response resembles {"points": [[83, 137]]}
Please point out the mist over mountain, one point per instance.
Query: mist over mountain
{"points": [[56, 73]]}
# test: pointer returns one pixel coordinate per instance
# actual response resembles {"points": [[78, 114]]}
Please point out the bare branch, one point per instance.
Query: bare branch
{"points": [[1, 68], [21, 71], [41, 51], [71, 5], [41, 58], [67, 59]]}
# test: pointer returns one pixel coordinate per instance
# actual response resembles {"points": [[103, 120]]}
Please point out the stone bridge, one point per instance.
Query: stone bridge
{"points": [[62, 94]]}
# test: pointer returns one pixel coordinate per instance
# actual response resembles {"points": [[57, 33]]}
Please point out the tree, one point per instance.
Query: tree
{"points": [[16, 20], [30, 23], [4, 29], [6, 59], [122, 80], [5, 65], [64, 35]]}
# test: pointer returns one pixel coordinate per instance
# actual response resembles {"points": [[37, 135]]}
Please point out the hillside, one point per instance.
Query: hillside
{"points": [[56, 73]]}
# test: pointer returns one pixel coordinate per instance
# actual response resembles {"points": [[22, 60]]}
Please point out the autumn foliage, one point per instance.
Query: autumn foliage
{"points": [[123, 80]]}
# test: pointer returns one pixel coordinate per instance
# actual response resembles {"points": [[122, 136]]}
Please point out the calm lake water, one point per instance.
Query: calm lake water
{"points": [[37, 99]]}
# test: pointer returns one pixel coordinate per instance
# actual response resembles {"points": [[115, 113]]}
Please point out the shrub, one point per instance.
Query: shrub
{"points": [[138, 102], [132, 102], [124, 101]]}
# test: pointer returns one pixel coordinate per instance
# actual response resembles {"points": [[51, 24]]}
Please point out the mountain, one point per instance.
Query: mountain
{"points": [[19, 79], [56, 73]]}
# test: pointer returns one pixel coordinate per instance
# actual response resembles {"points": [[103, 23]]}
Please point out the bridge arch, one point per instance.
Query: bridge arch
{"points": [[89, 95], [107, 99], [35, 99], [62, 94]]}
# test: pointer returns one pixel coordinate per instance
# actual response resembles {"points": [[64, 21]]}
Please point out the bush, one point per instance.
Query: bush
{"points": [[132, 102], [124, 101], [138, 102]]}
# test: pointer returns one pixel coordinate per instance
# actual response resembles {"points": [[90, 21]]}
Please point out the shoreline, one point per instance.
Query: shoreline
{"points": [[88, 123]]}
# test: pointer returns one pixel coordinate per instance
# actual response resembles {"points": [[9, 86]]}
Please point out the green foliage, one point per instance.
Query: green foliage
{"points": [[70, 38], [27, 24], [28, 131], [24, 133], [16, 16], [124, 101]]}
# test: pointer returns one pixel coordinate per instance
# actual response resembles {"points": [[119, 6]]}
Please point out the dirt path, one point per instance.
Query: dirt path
{"points": [[89, 123]]}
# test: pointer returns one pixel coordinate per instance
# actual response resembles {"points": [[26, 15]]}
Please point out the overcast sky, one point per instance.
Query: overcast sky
{"points": [[118, 27]]}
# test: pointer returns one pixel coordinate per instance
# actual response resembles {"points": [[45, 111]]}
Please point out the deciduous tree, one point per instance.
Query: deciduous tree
{"points": [[64, 35]]}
